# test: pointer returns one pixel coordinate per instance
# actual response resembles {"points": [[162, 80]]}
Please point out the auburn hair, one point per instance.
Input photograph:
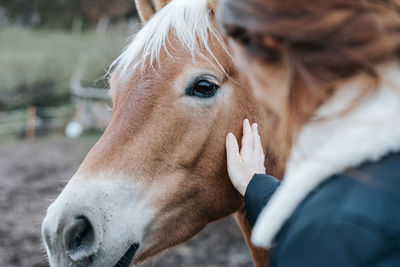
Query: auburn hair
{"points": [[323, 42]]}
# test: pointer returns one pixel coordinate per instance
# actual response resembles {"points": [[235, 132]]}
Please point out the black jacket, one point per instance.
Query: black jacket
{"points": [[352, 219]]}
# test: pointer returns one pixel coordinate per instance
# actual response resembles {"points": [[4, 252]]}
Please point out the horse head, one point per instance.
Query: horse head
{"points": [[158, 174]]}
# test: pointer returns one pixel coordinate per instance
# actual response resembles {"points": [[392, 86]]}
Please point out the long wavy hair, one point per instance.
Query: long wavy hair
{"points": [[323, 42]]}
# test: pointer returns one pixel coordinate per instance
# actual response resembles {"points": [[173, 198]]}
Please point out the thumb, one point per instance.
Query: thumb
{"points": [[232, 149]]}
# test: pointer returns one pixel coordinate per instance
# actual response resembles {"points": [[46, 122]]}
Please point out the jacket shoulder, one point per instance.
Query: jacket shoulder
{"points": [[370, 192], [352, 217]]}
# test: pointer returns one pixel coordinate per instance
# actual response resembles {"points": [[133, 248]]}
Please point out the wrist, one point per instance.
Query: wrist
{"points": [[242, 186], [241, 189]]}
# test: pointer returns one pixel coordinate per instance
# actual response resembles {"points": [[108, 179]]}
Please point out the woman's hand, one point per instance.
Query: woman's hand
{"points": [[242, 166]]}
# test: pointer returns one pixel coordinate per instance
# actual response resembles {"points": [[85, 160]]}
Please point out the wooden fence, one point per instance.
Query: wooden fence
{"points": [[25, 122], [88, 109]]}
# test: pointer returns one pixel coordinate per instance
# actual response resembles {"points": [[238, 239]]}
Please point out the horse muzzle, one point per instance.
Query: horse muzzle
{"points": [[74, 238], [96, 223]]}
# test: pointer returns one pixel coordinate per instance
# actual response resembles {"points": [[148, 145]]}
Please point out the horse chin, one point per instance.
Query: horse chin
{"points": [[126, 259], [156, 240]]}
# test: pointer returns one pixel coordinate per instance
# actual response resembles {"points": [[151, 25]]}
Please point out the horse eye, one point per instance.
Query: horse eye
{"points": [[203, 88]]}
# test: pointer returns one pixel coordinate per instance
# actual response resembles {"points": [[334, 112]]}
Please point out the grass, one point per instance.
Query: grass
{"points": [[36, 65]]}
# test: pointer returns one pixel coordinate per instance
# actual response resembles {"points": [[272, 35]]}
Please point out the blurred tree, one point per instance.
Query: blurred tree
{"points": [[63, 13]]}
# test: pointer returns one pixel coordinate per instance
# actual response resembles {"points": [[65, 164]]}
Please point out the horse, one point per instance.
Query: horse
{"points": [[157, 176]]}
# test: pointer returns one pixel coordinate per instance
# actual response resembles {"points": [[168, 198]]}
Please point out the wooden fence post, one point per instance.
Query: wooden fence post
{"points": [[30, 123]]}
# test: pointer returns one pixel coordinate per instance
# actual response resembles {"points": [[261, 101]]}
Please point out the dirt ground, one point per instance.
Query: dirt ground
{"points": [[33, 173]]}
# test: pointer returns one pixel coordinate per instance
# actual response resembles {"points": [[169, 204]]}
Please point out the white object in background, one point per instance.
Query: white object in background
{"points": [[73, 130]]}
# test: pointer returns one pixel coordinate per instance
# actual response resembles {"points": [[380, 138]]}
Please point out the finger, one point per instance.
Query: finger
{"points": [[256, 137], [232, 149], [261, 151], [247, 139], [257, 146]]}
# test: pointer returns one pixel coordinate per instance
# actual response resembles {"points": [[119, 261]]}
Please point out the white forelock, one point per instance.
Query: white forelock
{"points": [[190, 23]]}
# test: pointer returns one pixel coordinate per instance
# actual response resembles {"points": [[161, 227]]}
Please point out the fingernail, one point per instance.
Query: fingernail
{"points": [[230, 136], [255, 125]]}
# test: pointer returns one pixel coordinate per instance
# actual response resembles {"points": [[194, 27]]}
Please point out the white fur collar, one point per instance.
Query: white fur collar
{"points": [[367, 133]]}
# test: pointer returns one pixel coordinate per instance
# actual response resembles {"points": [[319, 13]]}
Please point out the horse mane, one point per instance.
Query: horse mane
{"points": [[189, 21]]}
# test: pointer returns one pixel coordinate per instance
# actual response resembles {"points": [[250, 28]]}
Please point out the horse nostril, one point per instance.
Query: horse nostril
{"points": [[79, 239]]}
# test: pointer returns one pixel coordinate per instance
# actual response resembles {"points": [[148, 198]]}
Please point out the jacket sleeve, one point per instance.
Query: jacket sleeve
{"points": [[258, 193]]}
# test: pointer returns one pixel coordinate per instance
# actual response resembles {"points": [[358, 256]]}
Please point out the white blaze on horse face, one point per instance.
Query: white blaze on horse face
{"points": [[118, 207]]}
